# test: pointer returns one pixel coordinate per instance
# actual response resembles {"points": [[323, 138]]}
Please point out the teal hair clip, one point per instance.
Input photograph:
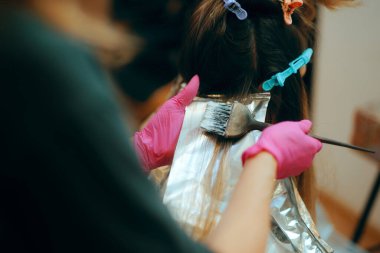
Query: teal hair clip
{"points": [[279, 78]]}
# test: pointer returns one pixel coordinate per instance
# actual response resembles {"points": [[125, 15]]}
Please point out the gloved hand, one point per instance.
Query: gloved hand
{"points": [[289, 144], [155, 144]]}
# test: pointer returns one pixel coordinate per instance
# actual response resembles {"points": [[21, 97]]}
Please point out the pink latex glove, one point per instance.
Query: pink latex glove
{"points": [[290, 145], [155, 144]]}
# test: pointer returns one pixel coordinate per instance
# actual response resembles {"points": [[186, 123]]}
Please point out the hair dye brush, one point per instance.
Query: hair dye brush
{"points": [[235, 120]]}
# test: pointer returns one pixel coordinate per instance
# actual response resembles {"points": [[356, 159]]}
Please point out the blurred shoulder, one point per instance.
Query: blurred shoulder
{"points": [[25, 38]]}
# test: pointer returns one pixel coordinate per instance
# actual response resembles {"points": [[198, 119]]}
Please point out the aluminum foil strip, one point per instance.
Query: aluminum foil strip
{"points": [[184, 190], [292, 223], [292, 227]]}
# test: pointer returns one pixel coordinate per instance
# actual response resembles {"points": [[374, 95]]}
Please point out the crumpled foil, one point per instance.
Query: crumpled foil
{"points": [[293, 229], [184, 194]]}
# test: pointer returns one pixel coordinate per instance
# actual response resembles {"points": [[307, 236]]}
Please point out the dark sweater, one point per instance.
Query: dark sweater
{"points": [[69, 179]]}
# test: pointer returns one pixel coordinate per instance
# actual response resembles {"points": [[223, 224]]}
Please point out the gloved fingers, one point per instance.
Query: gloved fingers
{"points": [[318, 145], [315, 144], [305, 125], [186, 96]]}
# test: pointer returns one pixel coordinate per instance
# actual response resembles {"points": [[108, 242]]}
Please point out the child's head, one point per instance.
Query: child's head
{"points": [[234, 56]]}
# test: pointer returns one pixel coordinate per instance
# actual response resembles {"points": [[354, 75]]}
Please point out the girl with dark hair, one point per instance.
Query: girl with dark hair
{"points": [[69, 178], [234, 53], [233, 57]]}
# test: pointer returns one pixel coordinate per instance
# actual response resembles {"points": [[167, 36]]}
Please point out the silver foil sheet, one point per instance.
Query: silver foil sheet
{"points": [[293, 229], [186, 195]]}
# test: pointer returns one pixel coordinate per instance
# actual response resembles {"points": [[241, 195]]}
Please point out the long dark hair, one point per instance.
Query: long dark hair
{"points": [[234, 57]]}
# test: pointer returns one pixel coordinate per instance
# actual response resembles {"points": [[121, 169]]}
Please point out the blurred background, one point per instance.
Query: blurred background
{"points": [[346, 78]]}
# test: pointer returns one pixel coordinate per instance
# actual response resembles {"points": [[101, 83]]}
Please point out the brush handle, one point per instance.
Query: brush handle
{"points": [[341, 144], [257, 125]]}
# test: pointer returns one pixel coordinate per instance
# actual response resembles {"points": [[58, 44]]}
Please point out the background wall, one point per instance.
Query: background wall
{"points": [[347, 75]]}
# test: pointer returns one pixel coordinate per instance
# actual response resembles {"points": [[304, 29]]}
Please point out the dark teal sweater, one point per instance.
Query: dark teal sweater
{"points": [[69, 179]]}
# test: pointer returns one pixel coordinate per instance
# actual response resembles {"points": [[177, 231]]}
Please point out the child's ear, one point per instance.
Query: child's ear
{"points": [[288, 7]]}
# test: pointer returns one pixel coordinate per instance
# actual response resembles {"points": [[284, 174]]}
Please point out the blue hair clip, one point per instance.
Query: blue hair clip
{"points": [[279, 78], [235, 8]]}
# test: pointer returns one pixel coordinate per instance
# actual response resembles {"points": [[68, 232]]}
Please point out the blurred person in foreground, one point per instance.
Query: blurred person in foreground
{"points": [[159, 27], [69, 177]]}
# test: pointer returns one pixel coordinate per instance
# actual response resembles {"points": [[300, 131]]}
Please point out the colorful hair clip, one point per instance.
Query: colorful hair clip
{"points": [[288, 7], [235, 8], [279, 78]]}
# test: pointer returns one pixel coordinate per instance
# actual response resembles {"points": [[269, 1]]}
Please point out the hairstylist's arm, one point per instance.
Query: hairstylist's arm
{"points": [[283, 150], [155, 144]]}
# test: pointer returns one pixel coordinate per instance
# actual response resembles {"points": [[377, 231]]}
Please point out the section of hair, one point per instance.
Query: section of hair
{"points": [[232, 58]]}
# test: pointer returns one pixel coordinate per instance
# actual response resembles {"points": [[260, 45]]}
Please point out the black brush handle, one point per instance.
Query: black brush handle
{"points": [[257, 125], [342, 144]]}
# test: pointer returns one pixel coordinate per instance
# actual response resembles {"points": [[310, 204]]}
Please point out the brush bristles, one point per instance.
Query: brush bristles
{"points": [[216, 117]]}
